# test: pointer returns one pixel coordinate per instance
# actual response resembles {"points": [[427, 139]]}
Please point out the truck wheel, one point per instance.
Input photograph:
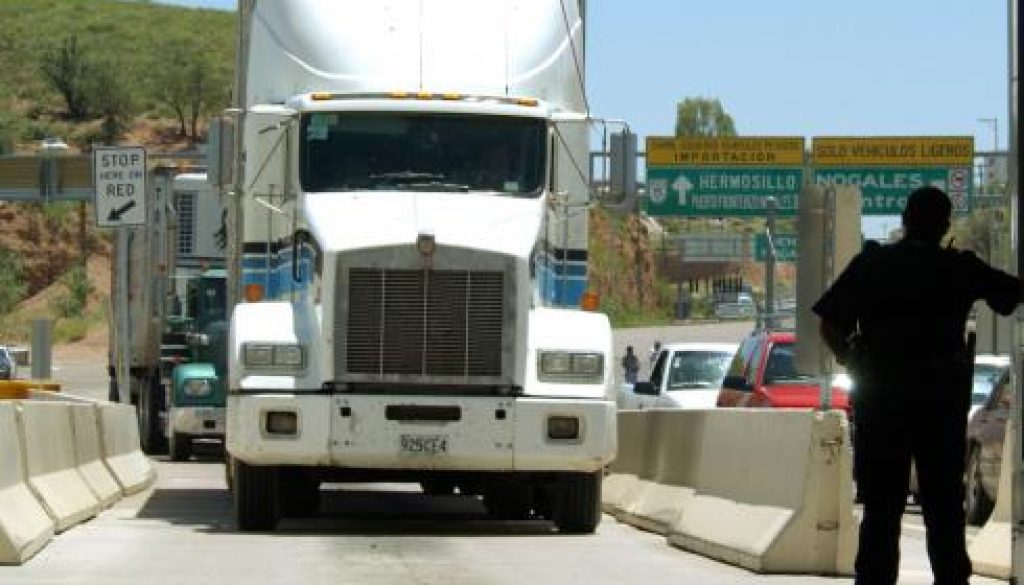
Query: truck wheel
{"points": [[148, 409], [978, 505], [299, 492], [180, 447], [256, 496], [576, 508], [112, 394]]}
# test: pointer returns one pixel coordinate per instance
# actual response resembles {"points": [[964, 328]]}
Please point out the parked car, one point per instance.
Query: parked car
{"points": [[985, 433], [685, 375], [762, 374], [742, 308], [8, 368], [991, 395]]}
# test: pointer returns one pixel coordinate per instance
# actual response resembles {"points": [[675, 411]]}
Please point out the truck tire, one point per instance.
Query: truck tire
{"points": [[112, 393], [151, 439], [180, 447], [299, 492], [257, 489], [978, 505], [576, 508]]}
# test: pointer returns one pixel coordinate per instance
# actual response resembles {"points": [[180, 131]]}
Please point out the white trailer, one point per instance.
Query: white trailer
{"points": [[409, 253], [151, 264]]}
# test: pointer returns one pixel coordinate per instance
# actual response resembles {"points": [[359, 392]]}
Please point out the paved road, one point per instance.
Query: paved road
{"points": [[182, 532]]}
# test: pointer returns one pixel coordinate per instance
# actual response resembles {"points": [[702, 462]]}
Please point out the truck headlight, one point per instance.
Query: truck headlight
{"points": [[570, 367], [198, 388], [288, 356]]}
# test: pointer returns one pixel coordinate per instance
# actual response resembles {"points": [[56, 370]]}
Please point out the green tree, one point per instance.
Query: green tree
{"points": [[703, 117], [197, 84], [108, 96], [66, 68]]}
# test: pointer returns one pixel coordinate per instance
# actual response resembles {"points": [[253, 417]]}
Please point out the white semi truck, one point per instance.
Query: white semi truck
{"points": [[408, 253]]}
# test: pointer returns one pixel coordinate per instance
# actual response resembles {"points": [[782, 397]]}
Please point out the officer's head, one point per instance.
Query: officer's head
{"points": [[926, 216]]}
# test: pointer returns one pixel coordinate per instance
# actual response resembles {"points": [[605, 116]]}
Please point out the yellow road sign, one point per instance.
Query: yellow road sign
{"points": [[754, 151], [893, 150]]}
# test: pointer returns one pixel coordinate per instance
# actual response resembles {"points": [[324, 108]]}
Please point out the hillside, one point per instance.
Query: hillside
{"points": [[142, 60]]}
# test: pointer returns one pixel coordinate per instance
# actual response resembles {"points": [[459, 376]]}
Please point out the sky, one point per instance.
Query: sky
{"points": [[799, 67]]}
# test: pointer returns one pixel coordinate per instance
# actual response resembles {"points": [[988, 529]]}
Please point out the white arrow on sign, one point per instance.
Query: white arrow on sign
{"points": [[682, 185]]}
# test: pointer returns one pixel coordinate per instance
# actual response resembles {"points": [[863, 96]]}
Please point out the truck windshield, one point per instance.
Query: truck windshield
{"points": [[346, 151]]}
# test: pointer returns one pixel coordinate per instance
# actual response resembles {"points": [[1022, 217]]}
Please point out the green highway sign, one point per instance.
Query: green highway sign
{"points": [[785, 247], [885, 189], [721, 191]]}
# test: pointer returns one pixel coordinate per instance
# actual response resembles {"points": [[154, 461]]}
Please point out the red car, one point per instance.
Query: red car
{"points": [[762, 374]]}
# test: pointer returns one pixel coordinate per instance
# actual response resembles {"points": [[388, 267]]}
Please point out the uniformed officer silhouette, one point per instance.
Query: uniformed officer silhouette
{"points": [[896, 317]]}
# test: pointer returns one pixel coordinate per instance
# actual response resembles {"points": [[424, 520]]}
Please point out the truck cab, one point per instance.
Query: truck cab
{"points": [[196, 392]]}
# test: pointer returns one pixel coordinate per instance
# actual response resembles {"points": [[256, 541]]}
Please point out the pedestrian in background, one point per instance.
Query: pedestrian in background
{"points": [[896, 317], [654, 354], [630, 365]]}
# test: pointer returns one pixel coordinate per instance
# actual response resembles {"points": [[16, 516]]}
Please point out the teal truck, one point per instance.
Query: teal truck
{"points": [[195, 405], [168, 314]]}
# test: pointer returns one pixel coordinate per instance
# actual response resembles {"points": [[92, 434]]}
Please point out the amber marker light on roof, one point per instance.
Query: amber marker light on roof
{"points": [[526, 102], [424, 95], [590, 301], [253, 293], [451, 96], [399, 95], [321, 95]]}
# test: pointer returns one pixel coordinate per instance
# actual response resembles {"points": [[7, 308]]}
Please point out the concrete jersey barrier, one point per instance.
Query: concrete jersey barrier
{"points": [[768, 490], [620, 485], [774, 492], [89, 454], [53, 476], [25, 528], [990, 551], [120, 436], [670, 471]]}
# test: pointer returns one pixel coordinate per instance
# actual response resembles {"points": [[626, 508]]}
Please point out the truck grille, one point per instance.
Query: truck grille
{"points": [[424, 322]]}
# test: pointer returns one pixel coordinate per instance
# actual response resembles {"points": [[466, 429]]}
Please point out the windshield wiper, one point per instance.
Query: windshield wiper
{"points": [[405, 177], [416, 181]]}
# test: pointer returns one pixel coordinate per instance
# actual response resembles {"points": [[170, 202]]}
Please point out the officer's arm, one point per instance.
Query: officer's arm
{"points": [[835, 339]]}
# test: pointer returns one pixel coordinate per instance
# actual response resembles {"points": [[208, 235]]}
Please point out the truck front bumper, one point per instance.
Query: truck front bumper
{"points": [[422, 433], [198, 420]]}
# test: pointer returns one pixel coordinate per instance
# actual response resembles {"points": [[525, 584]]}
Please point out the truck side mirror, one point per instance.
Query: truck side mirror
{"points": [[645, 388]]}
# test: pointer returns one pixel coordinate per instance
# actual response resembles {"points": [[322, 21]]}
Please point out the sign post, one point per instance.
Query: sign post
{"points": [[120, 180]]}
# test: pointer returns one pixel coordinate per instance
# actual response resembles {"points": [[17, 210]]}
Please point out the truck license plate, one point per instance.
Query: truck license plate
{"points": [[423, 444]]}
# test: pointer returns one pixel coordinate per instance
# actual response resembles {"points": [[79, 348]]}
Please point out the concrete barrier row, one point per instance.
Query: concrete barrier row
{"points": [[768, 490], [63, 460]]}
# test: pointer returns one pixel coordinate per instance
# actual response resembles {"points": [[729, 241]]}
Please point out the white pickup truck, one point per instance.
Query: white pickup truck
{"points": [[685, 375]]}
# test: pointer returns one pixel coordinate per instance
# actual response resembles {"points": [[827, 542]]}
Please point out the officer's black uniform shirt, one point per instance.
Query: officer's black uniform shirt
{"points": [[908, 302]]}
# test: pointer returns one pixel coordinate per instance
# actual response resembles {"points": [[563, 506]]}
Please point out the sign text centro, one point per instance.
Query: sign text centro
{"points": [[120, 179]]}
